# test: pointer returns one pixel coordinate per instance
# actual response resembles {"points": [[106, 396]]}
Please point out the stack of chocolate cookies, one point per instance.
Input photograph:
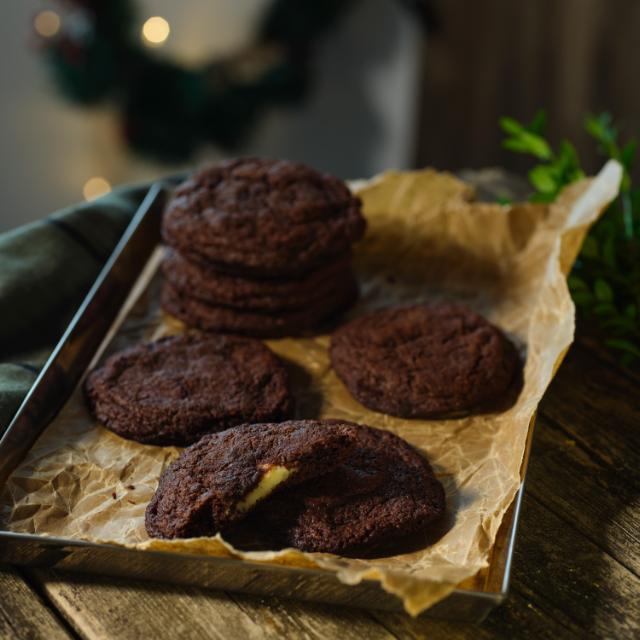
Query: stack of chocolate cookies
{"points": [[260, 247]]}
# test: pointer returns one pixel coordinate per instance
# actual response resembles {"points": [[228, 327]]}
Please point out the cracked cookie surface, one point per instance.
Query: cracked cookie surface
{"points": [[264, 217], [218, 479], [382, 494], [176, 389], [423, 360]]}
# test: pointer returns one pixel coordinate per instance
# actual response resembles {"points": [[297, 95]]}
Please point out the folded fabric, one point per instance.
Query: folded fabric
{"points": [[46, 269]]}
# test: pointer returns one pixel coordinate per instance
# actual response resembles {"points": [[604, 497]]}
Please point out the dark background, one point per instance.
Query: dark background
{"points": [[489, 58], [393, 84]]}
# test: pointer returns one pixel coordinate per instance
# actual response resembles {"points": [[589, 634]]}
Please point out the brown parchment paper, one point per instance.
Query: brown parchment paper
{"points": [[426, 237]]}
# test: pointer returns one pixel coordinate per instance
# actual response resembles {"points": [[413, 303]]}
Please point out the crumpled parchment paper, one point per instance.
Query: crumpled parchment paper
{"points": [[426, 237]]}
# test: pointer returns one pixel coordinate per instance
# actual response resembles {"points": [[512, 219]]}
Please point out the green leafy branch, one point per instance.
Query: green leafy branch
{"points": [[605, 281]]}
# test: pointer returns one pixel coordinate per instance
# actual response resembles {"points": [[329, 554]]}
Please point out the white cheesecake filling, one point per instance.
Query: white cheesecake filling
{"points": [[273, 476]]}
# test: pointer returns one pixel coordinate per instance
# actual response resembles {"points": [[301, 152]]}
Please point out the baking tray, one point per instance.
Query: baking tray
{"points": [[87, 333]]}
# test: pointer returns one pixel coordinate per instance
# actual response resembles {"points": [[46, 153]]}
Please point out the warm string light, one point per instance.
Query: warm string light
{"points": [[46, 23], [155, 31], [95, 187]]}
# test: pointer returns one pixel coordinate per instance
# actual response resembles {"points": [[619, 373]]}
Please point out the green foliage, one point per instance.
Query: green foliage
{"points": [[605, 281], [558, 168]]}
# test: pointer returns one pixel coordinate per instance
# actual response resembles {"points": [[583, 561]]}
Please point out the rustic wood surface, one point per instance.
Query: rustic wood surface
{"points": [[577, 559]]}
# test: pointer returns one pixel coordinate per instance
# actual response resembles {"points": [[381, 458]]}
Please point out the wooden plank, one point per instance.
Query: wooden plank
{"points": [[574, 581], [581, 489], [587, 339], [517, 618], [599, 407], [23, 614], [289, 618], [119, 609]]}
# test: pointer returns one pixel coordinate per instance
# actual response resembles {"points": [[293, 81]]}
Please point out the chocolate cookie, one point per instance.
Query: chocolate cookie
{"points": [[383, 493], [196, 313], [261, 216], [224, 475], [177, 389], [204, 282], [424, 360]]}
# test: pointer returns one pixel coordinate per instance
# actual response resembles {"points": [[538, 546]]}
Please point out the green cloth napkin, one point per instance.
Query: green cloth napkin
{"points": [[46, 269]]}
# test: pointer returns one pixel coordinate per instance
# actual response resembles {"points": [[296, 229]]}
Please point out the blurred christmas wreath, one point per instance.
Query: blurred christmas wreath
{"points": [[167, 109]]}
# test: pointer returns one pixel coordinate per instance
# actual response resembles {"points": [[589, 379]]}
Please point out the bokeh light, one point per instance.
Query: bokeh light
{"points": [[155, 31], [47, 23], [95, 187]]}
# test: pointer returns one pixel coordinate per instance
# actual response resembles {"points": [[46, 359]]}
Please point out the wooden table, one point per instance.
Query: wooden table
{"points": [[577, 560]]}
